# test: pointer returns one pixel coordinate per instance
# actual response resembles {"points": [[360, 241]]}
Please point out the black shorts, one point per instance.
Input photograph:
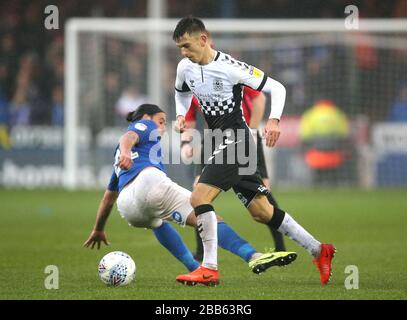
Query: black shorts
{"points": [[245, 187], [261, 160], [219, 171]]}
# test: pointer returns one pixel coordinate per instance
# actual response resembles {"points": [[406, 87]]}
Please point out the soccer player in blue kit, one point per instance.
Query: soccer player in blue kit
{"points": [[146, 197], [216, 80]]}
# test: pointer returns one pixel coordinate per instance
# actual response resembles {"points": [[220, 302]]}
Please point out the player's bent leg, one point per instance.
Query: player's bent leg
{"points": [[277, 236], [201, 199], [206, 222], [198, 255], [285, 224], [172, 241], [261, 209], [203, 194], [229, 240], [207, 228], [191, 221]]}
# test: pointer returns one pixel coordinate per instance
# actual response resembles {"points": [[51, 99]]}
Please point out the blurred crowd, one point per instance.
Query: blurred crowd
{"points": [[32, 57]]}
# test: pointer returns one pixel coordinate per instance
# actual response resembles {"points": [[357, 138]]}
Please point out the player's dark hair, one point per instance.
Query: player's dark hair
{"points": [[143, 109], [189, 24]]}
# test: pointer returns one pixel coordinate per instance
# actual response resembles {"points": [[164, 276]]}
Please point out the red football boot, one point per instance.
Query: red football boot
{"points": [[323, 262], [208, 277]]}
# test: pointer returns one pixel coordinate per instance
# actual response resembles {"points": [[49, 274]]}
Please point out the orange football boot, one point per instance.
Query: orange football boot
{"points": [[323, 262], [208, 277]]}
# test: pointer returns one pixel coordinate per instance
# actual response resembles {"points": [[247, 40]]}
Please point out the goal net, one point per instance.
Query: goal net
{"points": [[342, 124]]}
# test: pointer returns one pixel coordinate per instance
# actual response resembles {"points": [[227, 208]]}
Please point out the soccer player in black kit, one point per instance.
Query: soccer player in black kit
{"points": [[216, 80]]}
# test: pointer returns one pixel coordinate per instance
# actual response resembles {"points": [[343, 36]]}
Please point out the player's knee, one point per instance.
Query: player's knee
{"points": [[195, 199], [198, 198]]}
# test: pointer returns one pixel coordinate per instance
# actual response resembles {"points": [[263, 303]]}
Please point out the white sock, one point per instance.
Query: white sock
{"points": [[208, 230], [294, 231]]}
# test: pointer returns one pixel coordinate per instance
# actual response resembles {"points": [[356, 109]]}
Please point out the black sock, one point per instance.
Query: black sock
{"points": [[277, 236], [278, 239], [199, 245], [277, 219], [203, 208]]}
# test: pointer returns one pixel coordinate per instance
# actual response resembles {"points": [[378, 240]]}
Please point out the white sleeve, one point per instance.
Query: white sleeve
{"points": [[254, 78], [242, 73], [278, 93], [183, 94], [182, 102]]}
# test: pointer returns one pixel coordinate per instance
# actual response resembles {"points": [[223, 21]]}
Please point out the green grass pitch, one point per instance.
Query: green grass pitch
{"points": [[48, 227]]}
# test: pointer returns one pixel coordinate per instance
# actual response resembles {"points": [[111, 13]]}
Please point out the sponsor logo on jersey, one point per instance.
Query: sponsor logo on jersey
{"points": [[140, 126], [217, 84], [255, 72]]}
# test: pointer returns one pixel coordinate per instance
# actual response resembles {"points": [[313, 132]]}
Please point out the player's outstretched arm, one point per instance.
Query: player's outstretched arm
{"points": [[105, 207]]}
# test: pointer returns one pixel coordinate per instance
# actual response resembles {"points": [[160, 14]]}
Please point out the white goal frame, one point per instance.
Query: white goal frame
{"points": [[157, 27]]}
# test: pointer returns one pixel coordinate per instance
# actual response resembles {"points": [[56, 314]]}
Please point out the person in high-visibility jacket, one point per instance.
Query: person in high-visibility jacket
{"points": [[324, 130]]}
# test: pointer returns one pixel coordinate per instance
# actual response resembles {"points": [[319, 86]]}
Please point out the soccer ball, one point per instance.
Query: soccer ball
{"points": [[117, 269]]}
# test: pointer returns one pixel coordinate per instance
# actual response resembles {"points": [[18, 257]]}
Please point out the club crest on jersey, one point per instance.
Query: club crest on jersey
{"points": [[217, 84], [192, 84]]}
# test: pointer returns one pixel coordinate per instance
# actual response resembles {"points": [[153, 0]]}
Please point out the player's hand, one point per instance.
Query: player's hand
{"points": [[271, 132], [96, 237], [180, 124], [125, 161]]}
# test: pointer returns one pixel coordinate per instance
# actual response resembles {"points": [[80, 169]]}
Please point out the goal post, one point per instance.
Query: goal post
{"points": [[105, 56]]}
